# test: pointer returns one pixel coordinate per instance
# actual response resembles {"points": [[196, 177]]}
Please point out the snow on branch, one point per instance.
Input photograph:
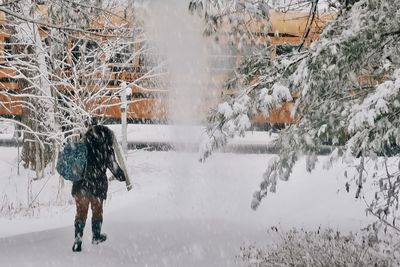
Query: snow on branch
{"points": [[376, 104]]}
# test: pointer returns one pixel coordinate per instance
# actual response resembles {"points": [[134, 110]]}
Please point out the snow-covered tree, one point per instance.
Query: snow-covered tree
{"points": [[230, 16], [348, 84], [69, 58], [31, 66], [235, 25]]}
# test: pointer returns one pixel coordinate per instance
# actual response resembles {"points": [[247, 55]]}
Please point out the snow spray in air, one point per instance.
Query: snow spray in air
{"points": [[178, 38]]}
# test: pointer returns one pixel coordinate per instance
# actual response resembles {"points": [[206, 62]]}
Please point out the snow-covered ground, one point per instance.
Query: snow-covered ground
{"points": [[153, 133], [180, 213], [147, 133], [6, 130]]}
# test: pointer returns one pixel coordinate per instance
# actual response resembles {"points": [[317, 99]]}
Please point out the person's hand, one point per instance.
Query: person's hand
{"points": [[121, 176], [122, 179]]}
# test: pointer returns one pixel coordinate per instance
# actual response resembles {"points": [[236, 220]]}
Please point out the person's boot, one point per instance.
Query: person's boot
{"points": [[79, 226], [98, 237]]}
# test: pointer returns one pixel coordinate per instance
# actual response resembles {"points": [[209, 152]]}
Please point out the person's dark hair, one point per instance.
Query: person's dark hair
{"points": [[99, 134], [91, 122]]}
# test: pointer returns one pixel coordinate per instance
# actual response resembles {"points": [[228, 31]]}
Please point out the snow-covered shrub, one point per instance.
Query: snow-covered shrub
{"points": [[29, 198], [321, 248], [22, 194]]}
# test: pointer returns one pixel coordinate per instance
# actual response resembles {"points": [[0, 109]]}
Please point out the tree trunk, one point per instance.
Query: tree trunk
{"points": [[38, 112]]}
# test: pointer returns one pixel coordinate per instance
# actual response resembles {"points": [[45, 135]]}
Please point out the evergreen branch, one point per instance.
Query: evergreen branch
{"points": [[380, 218]]}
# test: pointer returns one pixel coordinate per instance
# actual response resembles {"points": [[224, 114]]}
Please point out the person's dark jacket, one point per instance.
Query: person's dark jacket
{"points": [[99, 141]]}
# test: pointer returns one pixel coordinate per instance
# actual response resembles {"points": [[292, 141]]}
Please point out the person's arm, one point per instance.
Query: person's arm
{"points": [[115, 169]]}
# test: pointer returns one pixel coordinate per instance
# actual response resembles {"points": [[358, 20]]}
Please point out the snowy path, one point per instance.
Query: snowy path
{"points": [[183, 213], [161, 243]]}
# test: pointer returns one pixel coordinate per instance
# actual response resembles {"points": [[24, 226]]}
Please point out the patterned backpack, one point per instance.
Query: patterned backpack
{"points": [[72, 160]]}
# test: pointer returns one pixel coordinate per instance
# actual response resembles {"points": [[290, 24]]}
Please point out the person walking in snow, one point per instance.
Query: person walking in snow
{"points": [[92, 189]]}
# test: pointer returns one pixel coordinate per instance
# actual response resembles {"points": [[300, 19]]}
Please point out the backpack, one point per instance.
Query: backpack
{"points": [[72, 160]]}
